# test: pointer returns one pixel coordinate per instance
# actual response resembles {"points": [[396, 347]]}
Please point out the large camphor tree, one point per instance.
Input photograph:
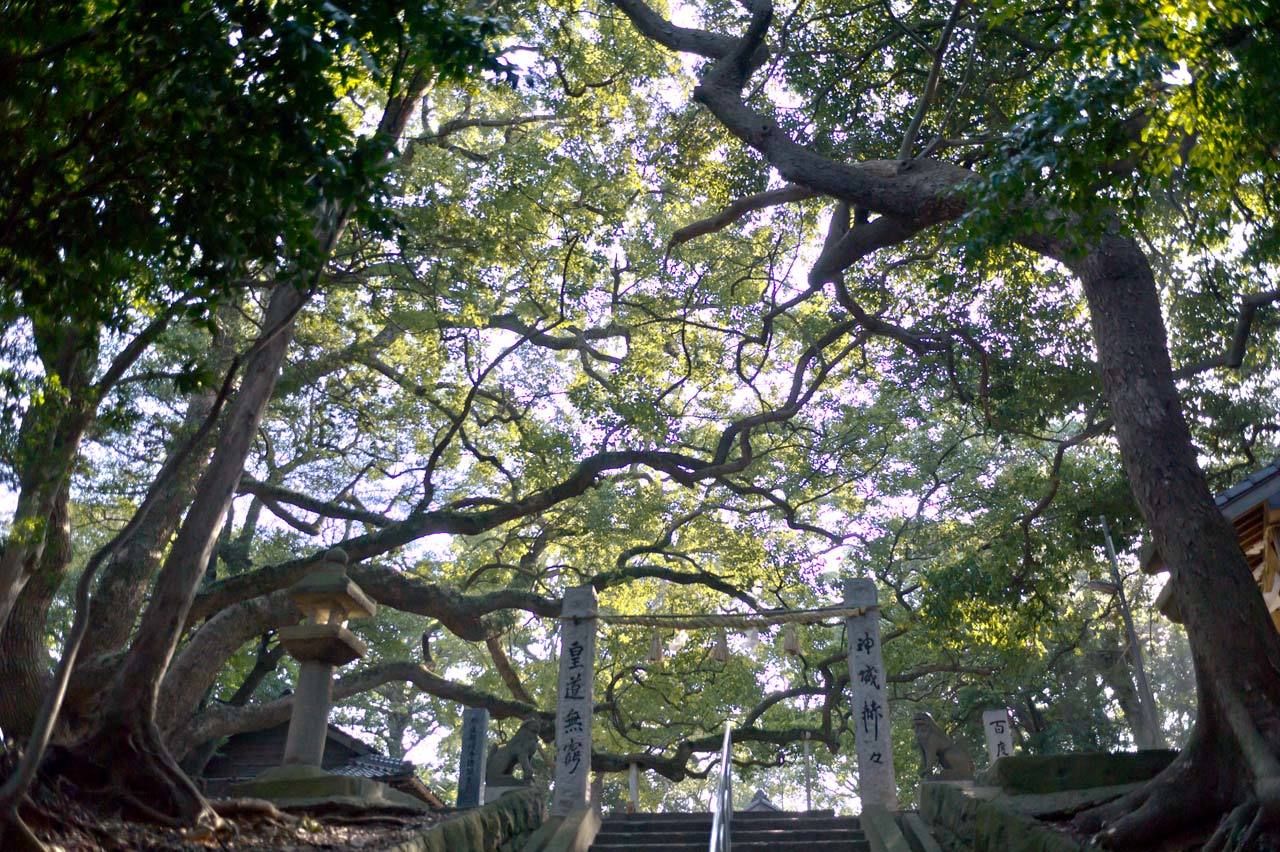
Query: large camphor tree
{"points": [[327, 282], [1048, 127]]}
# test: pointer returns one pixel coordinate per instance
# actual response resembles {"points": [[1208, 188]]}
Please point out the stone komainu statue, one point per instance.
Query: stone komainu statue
{"points": [[940, 751], [518, 751]]}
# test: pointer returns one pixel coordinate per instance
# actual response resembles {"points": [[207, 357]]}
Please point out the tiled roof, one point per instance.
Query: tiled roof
{"points": [[1254, 480], [374, 766]]}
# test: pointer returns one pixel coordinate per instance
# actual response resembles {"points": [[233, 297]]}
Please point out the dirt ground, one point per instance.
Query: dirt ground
{"points": [[65, 824]]}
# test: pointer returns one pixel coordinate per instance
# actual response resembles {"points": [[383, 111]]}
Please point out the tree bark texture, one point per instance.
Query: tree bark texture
{"points": [[24, 658], [135, 687], [48, 443]]}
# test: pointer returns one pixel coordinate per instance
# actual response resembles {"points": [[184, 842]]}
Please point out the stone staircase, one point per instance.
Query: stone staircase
{"points": [[752, 831]]}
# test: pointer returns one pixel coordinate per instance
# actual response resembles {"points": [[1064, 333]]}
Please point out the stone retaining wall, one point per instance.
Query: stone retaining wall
{"points": [[501, 826], [962, 820]]}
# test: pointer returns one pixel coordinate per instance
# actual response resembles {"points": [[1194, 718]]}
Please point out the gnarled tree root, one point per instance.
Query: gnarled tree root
{"points": [[1191, 793], [132, 769]]}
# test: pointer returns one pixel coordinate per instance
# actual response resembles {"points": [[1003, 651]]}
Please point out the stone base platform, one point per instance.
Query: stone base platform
{"points": [[299, 786], [1005, 810], [494, 792]]}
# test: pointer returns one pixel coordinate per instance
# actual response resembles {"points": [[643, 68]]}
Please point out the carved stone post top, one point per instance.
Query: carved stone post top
{"points": [[579, 602], [860, 591]]}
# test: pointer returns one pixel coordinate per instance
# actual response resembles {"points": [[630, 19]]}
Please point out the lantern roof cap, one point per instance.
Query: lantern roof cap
{"points": [[327, 582]]}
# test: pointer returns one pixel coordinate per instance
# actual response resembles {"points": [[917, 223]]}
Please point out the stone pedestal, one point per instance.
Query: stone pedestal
{"points": [[877, 786], [494, 792], [309, 725], [574, 700]]}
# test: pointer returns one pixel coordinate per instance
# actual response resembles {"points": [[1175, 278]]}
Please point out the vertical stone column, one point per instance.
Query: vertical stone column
{"points": [[574, 700], [309, 722], [996, 725], [876, 783], [475, 732]]}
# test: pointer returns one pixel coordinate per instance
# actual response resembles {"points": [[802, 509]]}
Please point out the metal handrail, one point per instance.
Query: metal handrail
{"points": [[723, 799]]}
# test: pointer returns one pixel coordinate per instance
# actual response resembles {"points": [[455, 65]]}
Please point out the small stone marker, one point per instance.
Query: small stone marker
{"points": [[876, 783], [574, 700], [475, 731], [999, 730], [633, 789]]}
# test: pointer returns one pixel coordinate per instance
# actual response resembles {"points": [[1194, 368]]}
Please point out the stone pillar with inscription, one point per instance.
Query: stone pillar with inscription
{"points": [[999, 730], [876, 783], [475, 733], [574, 700]]}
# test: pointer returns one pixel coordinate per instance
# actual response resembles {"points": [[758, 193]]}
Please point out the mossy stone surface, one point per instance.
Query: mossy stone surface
{"points": [[501, 826], [982, 819], [1053, 773]]}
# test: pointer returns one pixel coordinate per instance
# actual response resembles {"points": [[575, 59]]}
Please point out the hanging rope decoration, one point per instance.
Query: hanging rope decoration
{"points": [[720, 651], [790, 640], [655, 649], [732, 621], [753, 640]]}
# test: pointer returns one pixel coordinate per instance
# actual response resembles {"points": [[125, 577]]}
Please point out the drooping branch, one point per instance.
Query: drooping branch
{"points": [[272, 495], [1233, 357], [675, 766], [222, 720], [506, 671], [461, 614], [670, 575], [455, 125], [458, 519], [736, 210]]}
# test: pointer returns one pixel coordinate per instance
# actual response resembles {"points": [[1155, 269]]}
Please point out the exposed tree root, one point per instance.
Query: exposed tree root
{"points": [[259, 809], [1252, 825], [132, 769], [1191, 792]]}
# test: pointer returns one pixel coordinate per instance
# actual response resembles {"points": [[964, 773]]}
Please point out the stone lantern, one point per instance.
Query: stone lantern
{"points": [[328, 598], [320, 643]]}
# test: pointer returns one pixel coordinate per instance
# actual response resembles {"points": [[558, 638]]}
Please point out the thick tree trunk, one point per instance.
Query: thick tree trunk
{"points": [[195, 669], [125, 579], [124, 749], [48, 443], [24, 655], [1236, 649], [135, 687]]}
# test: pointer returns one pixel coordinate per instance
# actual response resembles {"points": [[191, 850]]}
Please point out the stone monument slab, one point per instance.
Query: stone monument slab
{"points": [[574, 701], [475, 732], [877, 785]]}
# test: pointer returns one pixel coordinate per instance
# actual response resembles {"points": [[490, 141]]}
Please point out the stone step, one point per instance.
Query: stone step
{"points": [[752, 831], [740, 835], [749, 816], [738, 816], [810, 823], [690, 844]]}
